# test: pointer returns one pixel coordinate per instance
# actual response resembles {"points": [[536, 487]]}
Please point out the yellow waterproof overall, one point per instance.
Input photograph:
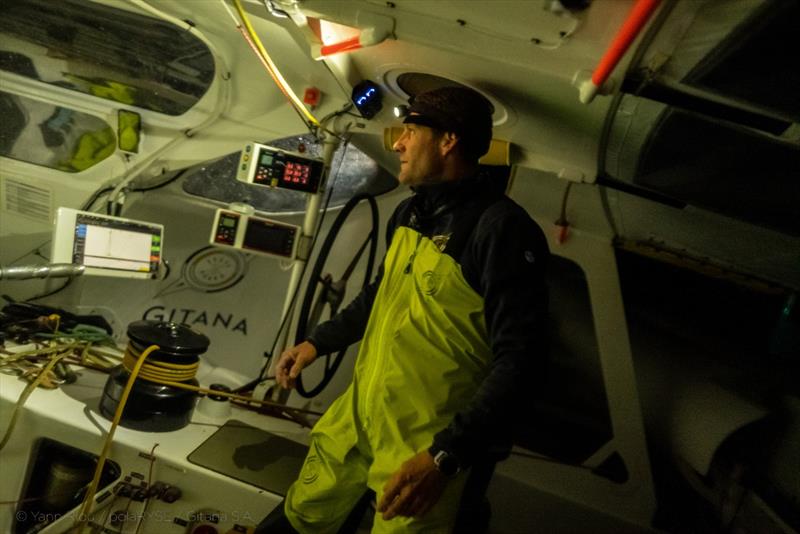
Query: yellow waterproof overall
{"points": [[422, 358]]}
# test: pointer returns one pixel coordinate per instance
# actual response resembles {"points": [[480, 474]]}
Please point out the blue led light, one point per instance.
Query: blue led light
{"points": [[367, 98]]}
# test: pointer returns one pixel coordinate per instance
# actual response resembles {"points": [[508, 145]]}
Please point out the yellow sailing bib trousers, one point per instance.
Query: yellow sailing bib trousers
{"points": [[423, 356]]}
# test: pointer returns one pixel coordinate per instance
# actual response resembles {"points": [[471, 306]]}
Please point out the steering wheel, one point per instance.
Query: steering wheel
{"points": [[332, 292]]}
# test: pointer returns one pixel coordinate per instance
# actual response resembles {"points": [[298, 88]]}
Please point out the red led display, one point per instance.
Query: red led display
{"points": [[296, 173]]}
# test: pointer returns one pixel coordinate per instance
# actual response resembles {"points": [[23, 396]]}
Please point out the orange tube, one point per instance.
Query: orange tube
{"points": [[343, 46], [637, 18]]}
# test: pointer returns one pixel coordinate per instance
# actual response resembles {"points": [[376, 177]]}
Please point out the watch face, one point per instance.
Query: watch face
{"points": [[446, 463]]}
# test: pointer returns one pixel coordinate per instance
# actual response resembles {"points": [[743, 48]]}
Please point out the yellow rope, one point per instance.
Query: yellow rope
{"points": [[165, 373], [158, 370], [26, 393], [272, 68], [86, 508], [176, 375]]}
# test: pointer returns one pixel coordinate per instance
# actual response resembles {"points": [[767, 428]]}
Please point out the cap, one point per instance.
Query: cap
{"points": [[460, 110]]}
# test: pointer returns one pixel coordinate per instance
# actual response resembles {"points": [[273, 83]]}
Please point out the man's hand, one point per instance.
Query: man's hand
{"points": [[293, 361], [413, 489]]}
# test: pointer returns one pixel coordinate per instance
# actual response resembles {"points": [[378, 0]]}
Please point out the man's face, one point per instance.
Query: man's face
{"points": [[421, 157]]}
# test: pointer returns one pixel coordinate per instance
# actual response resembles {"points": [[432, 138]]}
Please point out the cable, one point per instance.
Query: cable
{"points": [[177, 375], [51, 293], [86, 507], [562, 224], [149, 485], [253, 47], [152, 461], [162, 184], [152, 371], [124, 512], [81, 332], [27, 392], [230, 13], [233, 396], [36, 250], [87, 206], [106, 513], [273, 70], [36, 352]]}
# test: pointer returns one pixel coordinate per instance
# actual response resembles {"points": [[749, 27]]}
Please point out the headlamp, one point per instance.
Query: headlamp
{"points": [[400, 111]]}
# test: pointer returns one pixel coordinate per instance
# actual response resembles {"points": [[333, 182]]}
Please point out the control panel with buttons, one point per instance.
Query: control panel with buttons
{"points": [[254, 234], [272, 167], [225, 227]]}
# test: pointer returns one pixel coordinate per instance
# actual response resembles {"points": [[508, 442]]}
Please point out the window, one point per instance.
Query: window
{"points": [[52, 136], [106, 52]]}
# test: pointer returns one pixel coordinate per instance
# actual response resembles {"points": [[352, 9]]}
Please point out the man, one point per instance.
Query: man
{"points": [[452, 332]]}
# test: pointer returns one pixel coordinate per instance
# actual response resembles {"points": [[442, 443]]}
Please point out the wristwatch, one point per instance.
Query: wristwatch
{"points": [[445, 463]]}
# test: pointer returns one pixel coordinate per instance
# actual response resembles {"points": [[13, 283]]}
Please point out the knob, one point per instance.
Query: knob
{"points": [[171, 494]]}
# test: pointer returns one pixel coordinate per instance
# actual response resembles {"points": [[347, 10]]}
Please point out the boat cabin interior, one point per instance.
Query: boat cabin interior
{"points": [[215, 177]]}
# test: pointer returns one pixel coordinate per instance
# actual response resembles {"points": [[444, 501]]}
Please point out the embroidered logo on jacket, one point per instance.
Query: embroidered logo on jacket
{"points": [[430, 282], [310, 471]]}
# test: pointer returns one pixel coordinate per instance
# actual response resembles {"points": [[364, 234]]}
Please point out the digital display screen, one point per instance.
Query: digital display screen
{"points": [[228, 222], [116, 244], [266, 236], [297, 173]]}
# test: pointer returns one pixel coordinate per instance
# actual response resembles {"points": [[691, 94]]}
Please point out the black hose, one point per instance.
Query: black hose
{"points": [[319, 264]]}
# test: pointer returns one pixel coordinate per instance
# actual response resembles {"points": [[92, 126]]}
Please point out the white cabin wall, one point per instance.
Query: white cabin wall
{"points": [[241, 321]]}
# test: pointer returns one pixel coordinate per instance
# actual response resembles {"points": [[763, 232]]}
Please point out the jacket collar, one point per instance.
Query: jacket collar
{"points": [[432, 200]]}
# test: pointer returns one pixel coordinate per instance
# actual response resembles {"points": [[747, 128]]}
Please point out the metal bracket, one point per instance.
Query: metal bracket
{"points": [[304, 247]]}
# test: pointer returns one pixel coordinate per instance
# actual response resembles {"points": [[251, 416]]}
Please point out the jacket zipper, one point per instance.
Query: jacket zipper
{"points": [[388, 313], [413, 255]]}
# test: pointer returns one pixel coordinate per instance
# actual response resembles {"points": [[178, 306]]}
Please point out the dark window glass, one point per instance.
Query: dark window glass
{"points": [[106, 52], [754, 65]]}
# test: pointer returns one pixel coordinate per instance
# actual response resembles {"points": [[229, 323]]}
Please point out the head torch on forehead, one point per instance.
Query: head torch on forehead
{"points": [[459, 110], [424, 115]]}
